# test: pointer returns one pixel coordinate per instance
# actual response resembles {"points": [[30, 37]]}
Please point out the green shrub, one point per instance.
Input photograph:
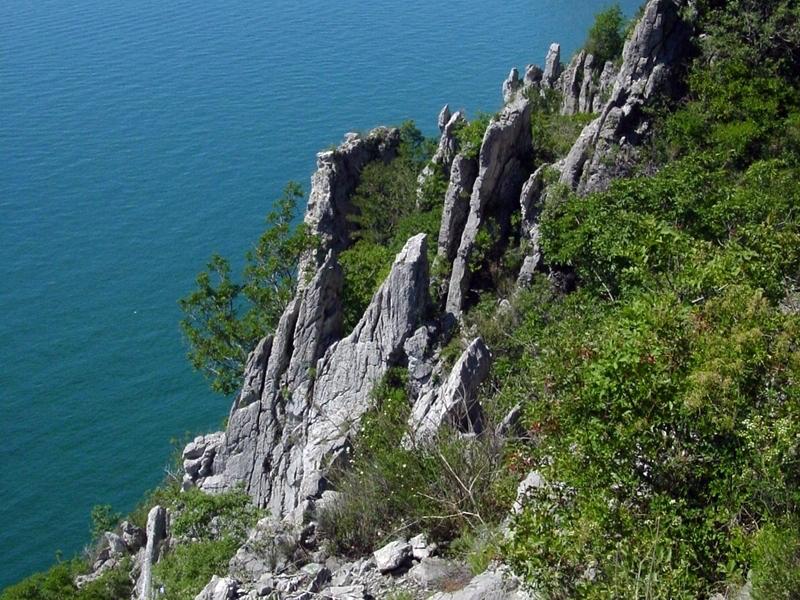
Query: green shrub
{"points": [[776, 562], [184, 571], [390, 490], [606, 36], [470, 135], [232, 511], [57, 584], [103, 519]]}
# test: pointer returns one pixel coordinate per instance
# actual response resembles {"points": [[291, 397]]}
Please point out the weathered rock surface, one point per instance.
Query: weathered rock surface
{"points": [[492, 584], [503, 167], [156, 534], [456, 403], [531, 202], [219, 588], [435, 573], [350, 368], [314, 388], [657, 46], [570, 84], [511, 86], [442, 160], [456, 205], [533, 482], [552, 66], [337, 175], [393, 556]]}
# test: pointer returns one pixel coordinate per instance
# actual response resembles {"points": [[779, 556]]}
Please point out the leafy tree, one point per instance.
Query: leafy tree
{"points": [[223, 319], [607, 35]]}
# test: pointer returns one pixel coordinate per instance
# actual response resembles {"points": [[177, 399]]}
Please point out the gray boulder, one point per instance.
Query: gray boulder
{"points": [[219, 588], [393, 556], [494, 584], [533, 76], [433, 573], [133, 536]]}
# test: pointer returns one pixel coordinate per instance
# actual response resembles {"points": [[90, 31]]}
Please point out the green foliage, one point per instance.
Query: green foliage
{"points": [[103, 519], [223, 320], [211, 527], [184, 571], [606, 36], [233, 513], [470, 135], [389, 489], [57, 584], [776, 562], [386, 216]]}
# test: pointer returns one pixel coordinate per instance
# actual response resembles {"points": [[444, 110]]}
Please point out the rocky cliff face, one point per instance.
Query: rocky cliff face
{"points": [[306, 387], [657, 47]]}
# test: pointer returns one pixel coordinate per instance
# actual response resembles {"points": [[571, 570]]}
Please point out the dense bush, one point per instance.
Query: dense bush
{"points": [[606, 36]]}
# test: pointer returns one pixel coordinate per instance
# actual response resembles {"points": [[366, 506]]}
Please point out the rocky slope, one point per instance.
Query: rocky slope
{"points": [[306, 386]]}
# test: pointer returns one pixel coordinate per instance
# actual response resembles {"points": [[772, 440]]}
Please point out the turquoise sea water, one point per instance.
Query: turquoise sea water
{"points": [[136, 138]]}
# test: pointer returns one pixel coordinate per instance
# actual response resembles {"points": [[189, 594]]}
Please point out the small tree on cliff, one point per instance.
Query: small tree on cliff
{"points": [[224, 319], [607, 35]]}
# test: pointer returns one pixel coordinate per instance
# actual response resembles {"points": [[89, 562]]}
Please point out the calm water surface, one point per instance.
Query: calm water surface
{"points": [[136, 138]]}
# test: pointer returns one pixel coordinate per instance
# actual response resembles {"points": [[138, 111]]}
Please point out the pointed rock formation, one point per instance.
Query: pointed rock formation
{"points": [[442, 159], [503, 167], [156, 534], [531, 204], [658, 45], [456, 205], [552, 66], [338, 172], [312, 389], [570, 84], [456, 403], [351, 367], [511, 86]]}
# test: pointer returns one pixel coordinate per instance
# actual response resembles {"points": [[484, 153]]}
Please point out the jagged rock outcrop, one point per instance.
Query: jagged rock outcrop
{"points": [[219, 588], [456, 403], [552, 66], [657, 46], [570, 82], [337, 175], [315, 388], [442, 160], [511, 86], [156, 534], [456, 205], [504, 164], [444, 117], [533, 76], [352, 366], [531, 203]]}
